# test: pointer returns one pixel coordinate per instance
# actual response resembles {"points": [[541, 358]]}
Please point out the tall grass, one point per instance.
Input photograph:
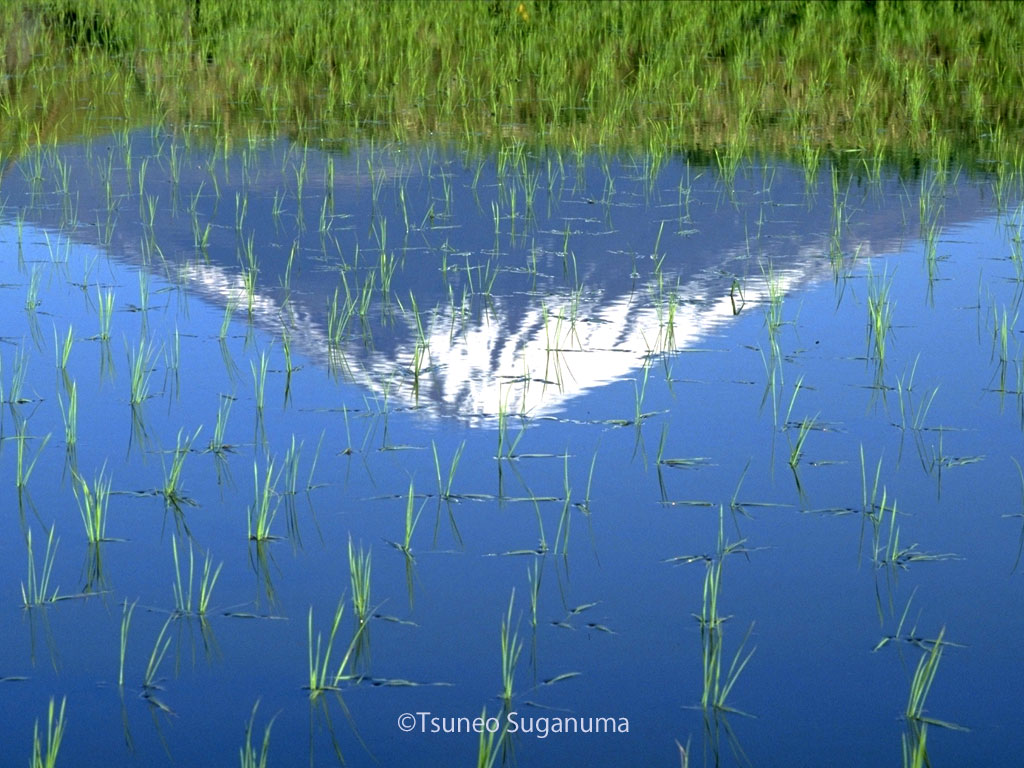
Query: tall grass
{"points": [[728, 79]]}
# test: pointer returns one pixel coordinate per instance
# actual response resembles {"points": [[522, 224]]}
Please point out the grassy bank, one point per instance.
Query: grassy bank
{"points": [[798, 79]]}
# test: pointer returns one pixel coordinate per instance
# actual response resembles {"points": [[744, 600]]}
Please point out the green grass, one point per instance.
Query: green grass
{"points": [[322, 676], [150, 681], [412, 517], [265, 503], [37, 591], [915, 752], [183, 605], [139, 363], [805, 79], [249, 756], [880, 311], [444, 488], [259, 378], [797, 447], [217, 445], [105, 307], [45, 756], [69, 413], [126, 620], [92, 505], [24, 467], [172, 490], [62, 351], [359, 574], [511, 647], [718, 683]]}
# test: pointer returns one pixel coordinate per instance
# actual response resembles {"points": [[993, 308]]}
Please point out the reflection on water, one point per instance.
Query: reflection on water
{"points": [[401, 305], [459, 290]]}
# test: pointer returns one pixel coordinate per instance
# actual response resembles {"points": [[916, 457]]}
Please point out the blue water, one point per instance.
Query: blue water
{"points": [[618, 295]]}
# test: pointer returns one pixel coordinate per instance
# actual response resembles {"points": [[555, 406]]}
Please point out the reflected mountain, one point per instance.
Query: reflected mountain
{"points": [[458, 286]]}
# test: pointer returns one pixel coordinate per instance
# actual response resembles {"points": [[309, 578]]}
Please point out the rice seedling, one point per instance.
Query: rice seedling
{"points": [[912, 417], [266, 501], [92, 505], [797, 447], [173, 489], [1002, 329], [490, 739], [248, 754], [1020, 540], [183, 589], [150, 681], [660, 460], [69, 413], [533, 576], [359, 573], [32, 297], [62, 351], [259, 378], [229, 310], [14, 392], [880, 310], [46, 756], [411, 519], [511, 646], [139, 363], [321, 677], [444, 490], [506, 448], [37, 591], [562, 534], [23, 467], [716, 685], [915, 752], [105, 307], [217, 444], [126, 620]]}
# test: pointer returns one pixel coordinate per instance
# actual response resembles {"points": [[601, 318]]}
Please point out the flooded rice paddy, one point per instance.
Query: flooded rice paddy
{"points": [[377, 434]]}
